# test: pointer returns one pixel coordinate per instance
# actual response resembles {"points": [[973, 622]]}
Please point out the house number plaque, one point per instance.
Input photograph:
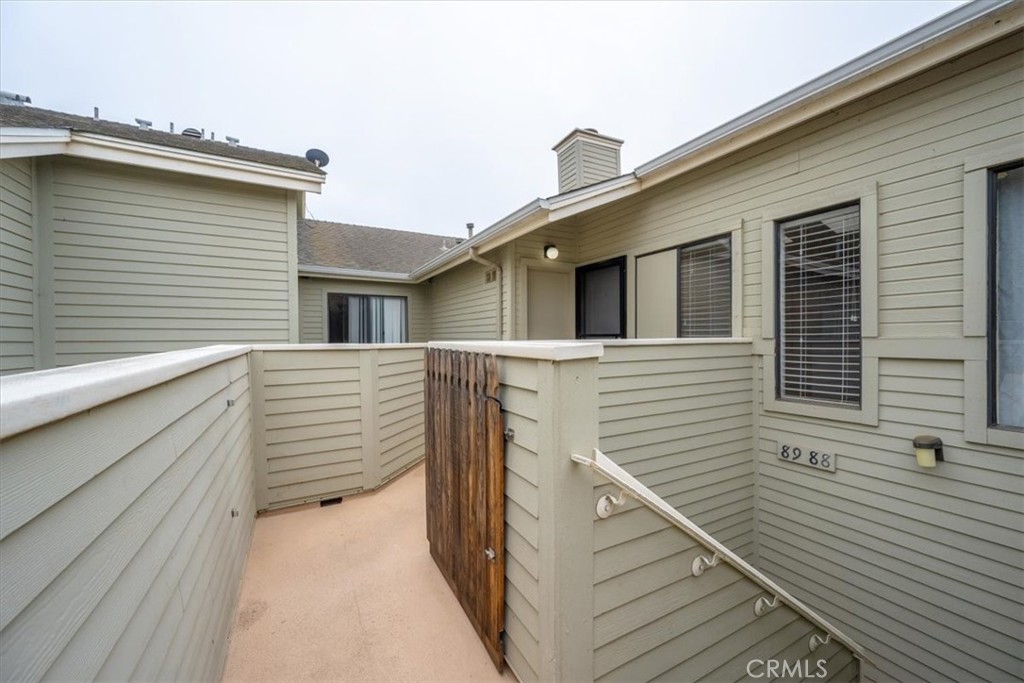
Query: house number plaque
{"points": [[809, 457]]}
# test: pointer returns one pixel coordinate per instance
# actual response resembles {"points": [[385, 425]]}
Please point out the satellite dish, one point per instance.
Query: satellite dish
{"points": [[318, 157]]}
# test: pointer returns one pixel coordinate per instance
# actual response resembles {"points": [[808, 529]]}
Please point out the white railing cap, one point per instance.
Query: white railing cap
{"points": [[677, 341], [34, 399], [538, 350], [338, 347]]}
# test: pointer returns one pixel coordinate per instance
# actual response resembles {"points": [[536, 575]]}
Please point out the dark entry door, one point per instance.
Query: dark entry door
{"points": [[465, 455], [601, 300]]}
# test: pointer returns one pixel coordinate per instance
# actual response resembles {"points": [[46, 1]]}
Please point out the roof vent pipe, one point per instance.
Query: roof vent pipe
{"points": [[469, 229], [96, 113]]}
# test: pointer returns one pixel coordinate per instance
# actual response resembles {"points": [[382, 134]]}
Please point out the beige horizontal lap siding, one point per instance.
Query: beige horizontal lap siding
{"points": [[146, 261], [309, 425], [336, 420], [522, 597], [463, 306], [121, 555], [655, 620], [400, 399], [926, 568], [598, 163], [17, 267], [923, 568], [912, 138], [312, 305], [678, 418]]}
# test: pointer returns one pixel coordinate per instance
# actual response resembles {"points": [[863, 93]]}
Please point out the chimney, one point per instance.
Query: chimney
{"points": [[586, 157], [469, 229]]}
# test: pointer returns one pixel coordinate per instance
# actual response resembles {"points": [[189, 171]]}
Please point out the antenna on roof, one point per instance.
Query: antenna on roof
{"points": [[317, 157]]}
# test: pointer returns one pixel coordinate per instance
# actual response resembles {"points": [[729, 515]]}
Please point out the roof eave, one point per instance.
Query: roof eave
{"points": [[18, 143], [526, 219], [352, 274], [964, 29], [22, 142]]}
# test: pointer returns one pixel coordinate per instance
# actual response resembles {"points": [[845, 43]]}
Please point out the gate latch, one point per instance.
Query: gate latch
{"points": [[489, 553]]}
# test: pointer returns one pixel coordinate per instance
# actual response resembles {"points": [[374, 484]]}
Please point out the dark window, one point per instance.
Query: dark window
{"points": [[818, 307], [601, 300], [366, 319], [1006, 297], [705, 288]]}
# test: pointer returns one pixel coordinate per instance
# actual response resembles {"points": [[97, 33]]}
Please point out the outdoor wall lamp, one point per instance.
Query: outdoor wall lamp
{"points": [[550, 252], [928, 450]]}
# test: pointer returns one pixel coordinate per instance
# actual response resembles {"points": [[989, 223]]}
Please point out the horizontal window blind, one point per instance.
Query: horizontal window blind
{"points": [[705, 288], [819, 307], [1006, 352]]}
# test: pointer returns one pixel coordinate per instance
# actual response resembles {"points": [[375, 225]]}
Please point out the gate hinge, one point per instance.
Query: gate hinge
{"points": [[490, 554], [510, 434]]}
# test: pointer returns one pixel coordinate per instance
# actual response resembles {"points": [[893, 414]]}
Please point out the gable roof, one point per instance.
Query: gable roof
{"points": [[325, 244], [20, 116], [957, 32]]}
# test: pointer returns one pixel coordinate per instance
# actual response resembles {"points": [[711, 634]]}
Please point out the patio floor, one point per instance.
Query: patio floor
{"points": [[349, 592]]}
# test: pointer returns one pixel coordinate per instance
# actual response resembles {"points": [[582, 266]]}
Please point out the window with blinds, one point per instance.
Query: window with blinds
{"points": [[1006, 297], [705, 288], [819, 307]]}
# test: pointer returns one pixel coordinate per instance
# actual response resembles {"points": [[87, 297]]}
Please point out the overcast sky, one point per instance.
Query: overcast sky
{"points": [[434, 114]]}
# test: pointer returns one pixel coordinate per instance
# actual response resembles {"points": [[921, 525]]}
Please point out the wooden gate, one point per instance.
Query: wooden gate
{"points": [[465, 455]]}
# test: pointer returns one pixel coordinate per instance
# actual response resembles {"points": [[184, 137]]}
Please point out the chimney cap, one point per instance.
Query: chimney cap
{"points": [[589, 134]]}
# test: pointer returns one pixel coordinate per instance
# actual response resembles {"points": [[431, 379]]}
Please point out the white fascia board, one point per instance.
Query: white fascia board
{"points": [[117, 150], [17, 143], [965, 28], [525, 220], [534, 215], [592, 196], [353, 274]]}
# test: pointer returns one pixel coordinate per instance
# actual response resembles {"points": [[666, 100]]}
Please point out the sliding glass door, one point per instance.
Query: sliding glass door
{"points": [[367, 319]]}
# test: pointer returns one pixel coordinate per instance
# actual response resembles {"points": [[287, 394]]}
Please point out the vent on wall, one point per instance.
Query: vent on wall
{"points": [[490, 276]]}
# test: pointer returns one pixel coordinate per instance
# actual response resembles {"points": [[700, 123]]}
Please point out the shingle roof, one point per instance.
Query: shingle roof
{"points": [[20, 116], [360, 247]]}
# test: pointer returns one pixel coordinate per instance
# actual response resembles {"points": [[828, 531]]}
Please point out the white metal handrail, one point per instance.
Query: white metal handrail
{"points": [[631, 487]]}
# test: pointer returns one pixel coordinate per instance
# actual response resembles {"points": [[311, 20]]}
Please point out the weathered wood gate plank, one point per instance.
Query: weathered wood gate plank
{"points": [[465, 486]]}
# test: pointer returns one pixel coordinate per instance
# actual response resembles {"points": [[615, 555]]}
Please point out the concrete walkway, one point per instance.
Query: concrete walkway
{"points": [[349, 592]]}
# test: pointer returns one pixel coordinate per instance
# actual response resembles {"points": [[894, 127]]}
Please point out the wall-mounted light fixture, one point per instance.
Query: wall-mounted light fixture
{"points": [[550, 252], [928, 450]]}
